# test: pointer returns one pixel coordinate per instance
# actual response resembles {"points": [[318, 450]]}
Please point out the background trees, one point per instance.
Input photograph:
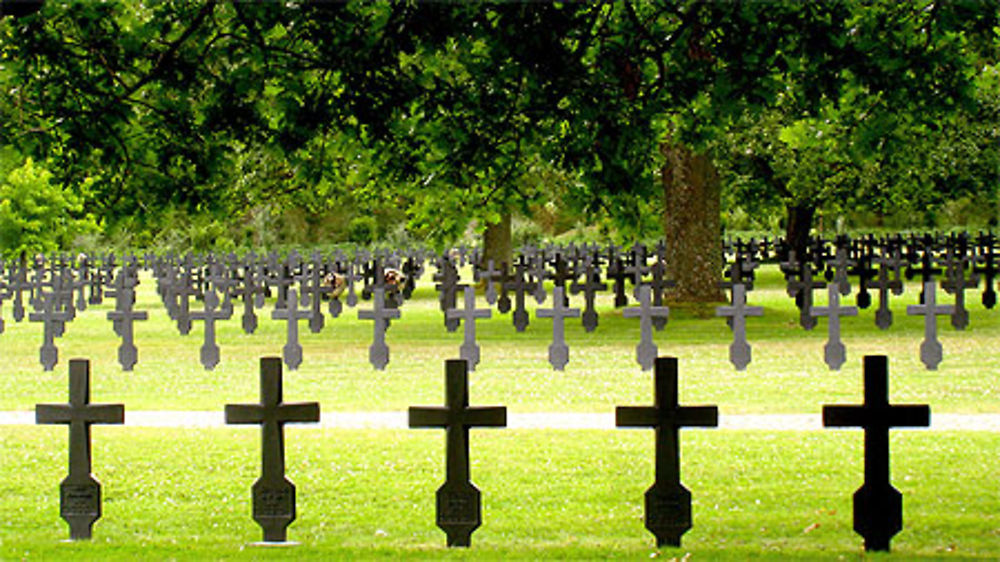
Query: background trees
{"points": [[317, 114]]}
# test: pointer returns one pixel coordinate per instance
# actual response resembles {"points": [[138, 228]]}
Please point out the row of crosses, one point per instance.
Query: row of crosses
{"points": [[877, 504]]}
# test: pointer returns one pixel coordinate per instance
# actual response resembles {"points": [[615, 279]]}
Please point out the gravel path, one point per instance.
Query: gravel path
{"points": [[397, 420]]}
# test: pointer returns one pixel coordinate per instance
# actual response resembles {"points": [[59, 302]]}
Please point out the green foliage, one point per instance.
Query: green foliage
{"points": [[362, 230], [37, 215]]}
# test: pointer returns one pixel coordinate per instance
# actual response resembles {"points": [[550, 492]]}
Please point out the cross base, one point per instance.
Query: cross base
{"points": [[668, 512], [80, 505], [274, 507], [878, 515], [459, 512]]}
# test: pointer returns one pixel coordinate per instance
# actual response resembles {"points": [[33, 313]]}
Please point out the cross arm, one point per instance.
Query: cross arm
{"points": [[486, 416], [301, 412], [244, 413], [52, 413], [428, 416]]}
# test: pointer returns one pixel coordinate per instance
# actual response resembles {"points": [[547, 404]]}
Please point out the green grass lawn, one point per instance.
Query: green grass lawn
{"points": [[182, 494], [185, 493]]}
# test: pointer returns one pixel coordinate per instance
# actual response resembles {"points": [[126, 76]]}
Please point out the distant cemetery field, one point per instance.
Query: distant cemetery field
{"points": [[787, 374]]}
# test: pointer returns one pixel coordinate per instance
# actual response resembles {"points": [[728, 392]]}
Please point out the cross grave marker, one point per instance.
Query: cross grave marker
{"points": [[459, 509], [558, 350], [273, 494], [668, 502], [645, 352], [292, 351], [834, 352], [378, 352], [931, 352], [51, 320], [878, 506], [79, 492], [125, 316], [737, 312], [213, 312], [468, 315]]}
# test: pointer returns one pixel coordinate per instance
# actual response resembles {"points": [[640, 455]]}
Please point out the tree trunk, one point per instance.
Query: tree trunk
{"points": [[800, 218], [497, 242], [691, 225]]}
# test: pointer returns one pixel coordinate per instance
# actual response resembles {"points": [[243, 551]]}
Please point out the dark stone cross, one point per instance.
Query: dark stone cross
{"points": [[659, 285], [124, 316], [539, 274], [878, 507], [519, 285], [956, 282], [447, 287], [182, 290], [251, 292], [213, 313], [739, 350], [888, 280], [985, 263], [590, 286], [637, 268], [468, 315], [834, 352], [802, 290], [378, 352], [459, 509], [668, 502], [931, 351], [315, 289], [503, 279], [17, 285], [558, 350], [51, 320], [926, 269], [79, 492], [490, 274], [273, 494], [645, 352], [616, 272], [292, 352], [840, 265]]}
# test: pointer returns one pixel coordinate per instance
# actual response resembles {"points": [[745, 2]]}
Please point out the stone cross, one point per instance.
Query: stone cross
{"points": [[834, 352], [519, 285], [539, 273], [889, 263], [956, 281], [212, 313], [447, 287], [558, 350], [273, 494], [645, 352], [17, 284], [590, 286], [79, 492], [878, 507], [468, 315], [986, 264], [668, 502], [931, 351], [251, 293], [125, 316], [616, 271], [315, 289], [840, 264], [637, 267], [183, 289], [51, 320], [503, 279], [292, 352], [490, 275], [739, 350], [459, 510], [378, 352], [802, 290], [659, 285]]}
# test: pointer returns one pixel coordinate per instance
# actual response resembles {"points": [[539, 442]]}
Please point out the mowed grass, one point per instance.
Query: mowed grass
{"points": [[787, 373], [184, 495]]}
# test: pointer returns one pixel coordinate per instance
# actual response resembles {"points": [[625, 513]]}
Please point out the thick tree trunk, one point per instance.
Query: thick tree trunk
{"points": [[800, 219], [691, 225], [497, 242]]}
